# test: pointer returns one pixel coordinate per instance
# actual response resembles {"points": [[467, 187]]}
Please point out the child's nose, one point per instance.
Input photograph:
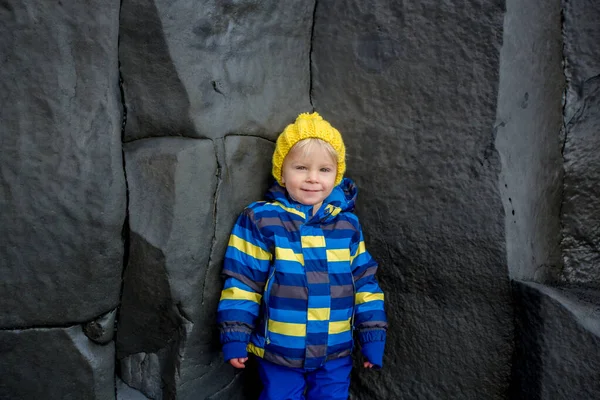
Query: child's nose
{"points": [[313, 176]]}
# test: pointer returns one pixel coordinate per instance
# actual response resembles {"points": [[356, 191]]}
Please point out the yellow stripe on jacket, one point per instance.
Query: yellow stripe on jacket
{"points": [[365, 297], [288, 255], [338, 255], [248, 248], [287, 328], [360, 249], [234, 293], [339, 326]]}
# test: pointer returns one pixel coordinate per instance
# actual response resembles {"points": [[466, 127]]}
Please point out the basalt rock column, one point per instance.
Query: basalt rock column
{"points": [[62, 198], [413, 87], [529, 132], [208, 86], [581, 205], [558, 323]]}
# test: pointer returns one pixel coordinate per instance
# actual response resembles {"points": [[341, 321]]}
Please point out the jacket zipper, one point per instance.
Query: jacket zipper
{"points": [[266, 299], [353, 309]]}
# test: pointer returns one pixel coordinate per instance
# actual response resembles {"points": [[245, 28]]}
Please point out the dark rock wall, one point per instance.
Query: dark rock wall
{"points": [[557, 343], [138, 130], [581, 204], [55, 363], [172, 182], [528, 127], [552, 237], [62, 198], [63, 189], [184, 195], [413, 87], [207, 69], [207, 87]]}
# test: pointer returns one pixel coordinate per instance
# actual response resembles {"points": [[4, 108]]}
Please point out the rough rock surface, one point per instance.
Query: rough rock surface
{"points": [[178, 190], [206, 70], [528, 126], [557, 349], [423, 92], [171, 183], [416, 101], [57, 363], [212, 68], [62, 189], [581, 204], [125, 392], [243, 178]]}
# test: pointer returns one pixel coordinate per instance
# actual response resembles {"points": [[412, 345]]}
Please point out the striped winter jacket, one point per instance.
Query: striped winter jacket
{"points": [[299, 284]]}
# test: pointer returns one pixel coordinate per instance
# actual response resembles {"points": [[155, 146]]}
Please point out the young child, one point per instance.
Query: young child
{"points": [[299, 279]]}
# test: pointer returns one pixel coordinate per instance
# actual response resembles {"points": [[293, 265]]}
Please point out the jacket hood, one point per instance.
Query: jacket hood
{"points": [[341, 199]]}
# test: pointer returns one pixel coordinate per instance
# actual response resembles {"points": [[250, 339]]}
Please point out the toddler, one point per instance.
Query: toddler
{"points": [[299, 280]]}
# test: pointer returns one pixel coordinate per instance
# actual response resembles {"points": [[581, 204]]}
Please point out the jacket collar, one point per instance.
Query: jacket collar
{"points": [[341, 199]]}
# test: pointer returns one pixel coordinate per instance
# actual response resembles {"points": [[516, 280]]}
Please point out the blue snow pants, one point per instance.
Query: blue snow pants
{"points": [[331, 381]]}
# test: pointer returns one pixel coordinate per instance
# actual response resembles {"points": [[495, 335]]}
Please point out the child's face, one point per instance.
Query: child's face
{"points": [[309, 177]]}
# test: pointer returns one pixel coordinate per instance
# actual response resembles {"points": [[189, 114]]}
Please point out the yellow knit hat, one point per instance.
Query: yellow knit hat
{"points": [[309, 126]]}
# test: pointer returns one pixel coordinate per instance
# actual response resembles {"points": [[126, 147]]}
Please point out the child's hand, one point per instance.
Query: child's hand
{"points": [[238, 362], [367, 364]]}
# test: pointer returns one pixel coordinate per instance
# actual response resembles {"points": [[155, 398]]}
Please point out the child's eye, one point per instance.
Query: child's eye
{"points": [[325, 169], [300, 167]]}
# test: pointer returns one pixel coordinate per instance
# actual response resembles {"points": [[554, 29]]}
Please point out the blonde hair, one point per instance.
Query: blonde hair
{"points": [[306, 146]]}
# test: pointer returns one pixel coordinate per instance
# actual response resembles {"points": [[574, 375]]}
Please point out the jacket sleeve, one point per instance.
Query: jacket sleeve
{"points": [[369, 314], [245, 268]]}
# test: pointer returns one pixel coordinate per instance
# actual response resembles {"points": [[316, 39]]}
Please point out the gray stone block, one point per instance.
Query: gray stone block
{"points": [[172, 184], [557, 342], [145, 373], [528, 128], [62, 189], [125, 392], [245, 177], [208, 69], [581, 203], [57, 363], [413, 89], [184, 196], [581, 37]]}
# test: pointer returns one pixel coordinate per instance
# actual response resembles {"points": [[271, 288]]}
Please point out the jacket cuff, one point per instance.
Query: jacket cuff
{"points": [[234, 350], [371, 335], [373, 351]]}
